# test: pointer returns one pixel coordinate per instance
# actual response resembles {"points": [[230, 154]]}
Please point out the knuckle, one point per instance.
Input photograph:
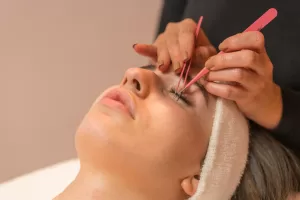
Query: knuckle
{"points": [[259, 38], [189, 21], [249, 58], [187, 27], [170, 26]]}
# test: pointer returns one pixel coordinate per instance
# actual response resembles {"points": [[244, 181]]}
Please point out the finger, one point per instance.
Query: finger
{"points": [[225, 91], [241, 59], [163, 58], [172, 43], [253, 40], [186, 38], [202, 54], [146, 50], [246, 78]]}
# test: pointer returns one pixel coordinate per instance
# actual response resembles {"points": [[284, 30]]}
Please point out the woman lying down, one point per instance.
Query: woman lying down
{"points": [[140, 141]]}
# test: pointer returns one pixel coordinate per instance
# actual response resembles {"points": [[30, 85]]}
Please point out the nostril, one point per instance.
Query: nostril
{"points": [[137, 85]]}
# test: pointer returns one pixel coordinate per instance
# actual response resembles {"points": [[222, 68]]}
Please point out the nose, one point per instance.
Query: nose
{"points": [[140, 81]]}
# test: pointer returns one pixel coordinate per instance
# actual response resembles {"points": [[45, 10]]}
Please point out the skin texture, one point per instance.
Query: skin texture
{"points": [[244, 73], [133, 157], [157, 154]]}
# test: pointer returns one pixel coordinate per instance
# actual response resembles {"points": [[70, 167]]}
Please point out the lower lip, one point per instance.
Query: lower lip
{"points": [[115, 104]]}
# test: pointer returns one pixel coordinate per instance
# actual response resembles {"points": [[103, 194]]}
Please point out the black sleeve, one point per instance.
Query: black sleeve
{"points": [[288, 130], [172, 11]]}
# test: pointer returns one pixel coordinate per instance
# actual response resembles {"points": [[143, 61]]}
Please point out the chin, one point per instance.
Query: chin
{"points": [[102, 133], [98, 132], [101, 150]]}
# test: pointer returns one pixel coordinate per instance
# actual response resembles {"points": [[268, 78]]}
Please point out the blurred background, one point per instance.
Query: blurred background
{"points": [[56, 57]]}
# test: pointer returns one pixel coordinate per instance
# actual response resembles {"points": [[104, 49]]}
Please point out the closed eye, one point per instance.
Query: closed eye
{"points": [[189, 78], [180, 96]]}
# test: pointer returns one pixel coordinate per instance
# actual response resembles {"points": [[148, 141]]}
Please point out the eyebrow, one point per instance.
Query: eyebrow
{"points": [[189, 78]]}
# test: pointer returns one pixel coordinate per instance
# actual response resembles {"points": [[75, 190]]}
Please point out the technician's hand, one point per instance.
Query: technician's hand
{"points": [[177, 45], [245, 75]]}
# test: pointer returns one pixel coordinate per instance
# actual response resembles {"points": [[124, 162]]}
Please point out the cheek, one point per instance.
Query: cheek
{"points": [[170, 131], [167, 116]]}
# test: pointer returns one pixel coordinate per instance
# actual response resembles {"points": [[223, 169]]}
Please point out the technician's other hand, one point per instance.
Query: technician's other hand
{"points": [[244, 73]]}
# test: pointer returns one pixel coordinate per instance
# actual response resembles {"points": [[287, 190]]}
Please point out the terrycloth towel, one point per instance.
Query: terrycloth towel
{"points": [[227, 154]]}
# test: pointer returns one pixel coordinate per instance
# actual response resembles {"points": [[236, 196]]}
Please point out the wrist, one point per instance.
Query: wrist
{"points": [[273, 109]]}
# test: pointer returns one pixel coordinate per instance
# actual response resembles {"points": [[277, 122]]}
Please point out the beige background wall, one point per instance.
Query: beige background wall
{"points": [[55, 58]]}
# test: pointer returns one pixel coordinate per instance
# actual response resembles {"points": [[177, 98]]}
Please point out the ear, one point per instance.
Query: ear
{"points": [[190, 184]]}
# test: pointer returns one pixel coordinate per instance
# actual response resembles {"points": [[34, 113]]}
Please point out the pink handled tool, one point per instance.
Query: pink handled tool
{"points": [[259, 24], [184, 66]]}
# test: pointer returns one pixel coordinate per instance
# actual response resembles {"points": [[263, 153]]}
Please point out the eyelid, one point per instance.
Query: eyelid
{"points": [[181, 97]]}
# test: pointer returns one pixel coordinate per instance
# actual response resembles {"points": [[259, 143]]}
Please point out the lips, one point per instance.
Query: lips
{"points": [[120, 99]]}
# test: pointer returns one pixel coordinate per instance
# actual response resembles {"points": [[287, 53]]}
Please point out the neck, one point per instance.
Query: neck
{"points": [[94, 186]]}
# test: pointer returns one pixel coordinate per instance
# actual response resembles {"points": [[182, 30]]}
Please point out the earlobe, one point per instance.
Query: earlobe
{"points": [[190, 184]]}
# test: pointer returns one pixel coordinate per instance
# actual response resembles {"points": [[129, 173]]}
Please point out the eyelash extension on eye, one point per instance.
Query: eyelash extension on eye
{"points": [[179, 96]]}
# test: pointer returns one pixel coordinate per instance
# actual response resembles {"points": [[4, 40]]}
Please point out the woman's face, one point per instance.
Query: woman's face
{"points": [[143, 133]]}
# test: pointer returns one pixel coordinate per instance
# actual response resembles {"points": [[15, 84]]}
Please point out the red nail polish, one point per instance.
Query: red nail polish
{"points": [[133, 46], [160, 65]]}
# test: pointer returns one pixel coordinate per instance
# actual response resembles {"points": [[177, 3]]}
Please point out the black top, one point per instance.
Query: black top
{"points": [[224, 18]]}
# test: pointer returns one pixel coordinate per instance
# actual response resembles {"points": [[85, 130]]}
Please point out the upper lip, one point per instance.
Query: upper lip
{"points": [[122, 96]]}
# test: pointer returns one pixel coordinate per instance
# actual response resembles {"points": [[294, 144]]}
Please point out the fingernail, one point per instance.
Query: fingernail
{"points": [[176, 65], [224, 50], [160, 65], [185, 57], [133, 46], [207, 66], [222, 47]]}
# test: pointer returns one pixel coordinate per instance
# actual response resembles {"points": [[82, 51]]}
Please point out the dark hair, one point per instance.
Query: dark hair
{"points": [[272, 171]]}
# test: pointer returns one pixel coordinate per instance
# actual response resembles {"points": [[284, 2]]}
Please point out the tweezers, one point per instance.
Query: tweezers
{"points": [[259, 24]]}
